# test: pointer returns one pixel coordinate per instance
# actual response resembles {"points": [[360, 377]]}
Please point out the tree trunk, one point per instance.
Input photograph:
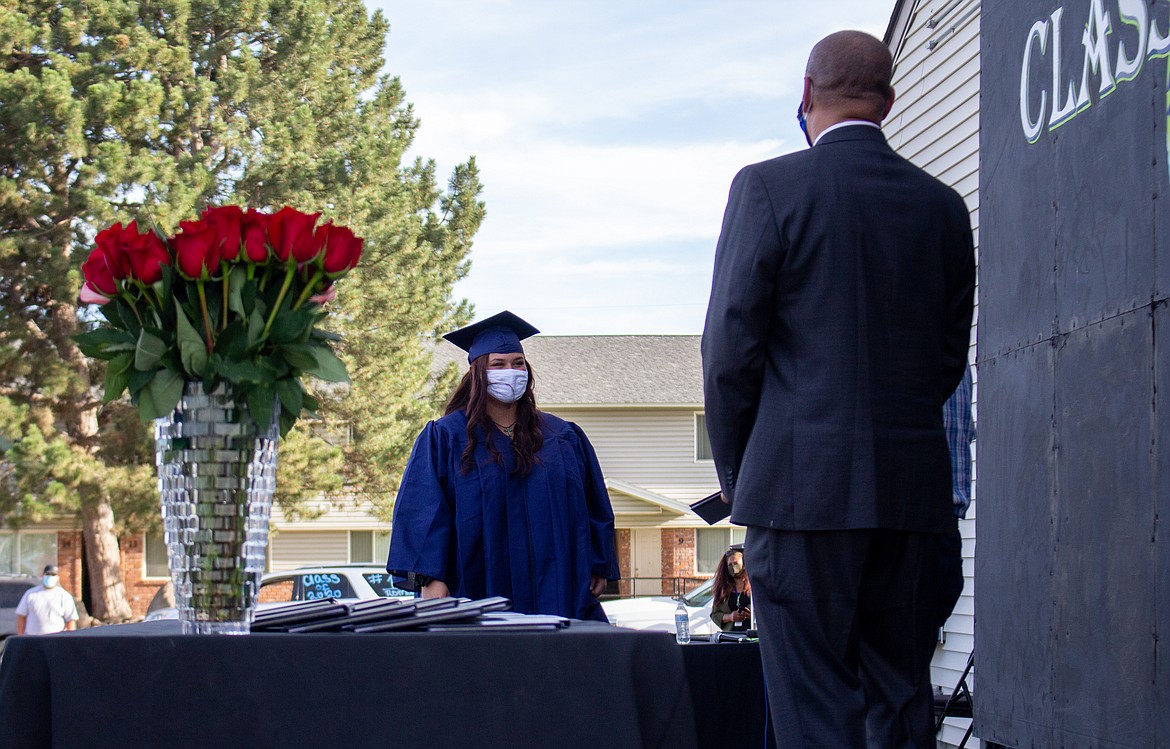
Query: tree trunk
{"points": [[105, 566], [107, 592]]}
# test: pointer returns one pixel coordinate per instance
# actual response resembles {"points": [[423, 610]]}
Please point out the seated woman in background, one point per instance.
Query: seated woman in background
{"points": [[732, 595], [501, 499]]}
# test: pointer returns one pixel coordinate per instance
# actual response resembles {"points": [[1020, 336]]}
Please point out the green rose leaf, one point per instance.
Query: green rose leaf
{"points": [[149, 352], [121, 315], [101, 343], [233, 341], [192, 349], [328, 368], [299, 356], [255, 328], [317, 334], [138, 381], [236, 282], [310, 404], [292, 396], [292, 327], [161, 396], [238, 371], [261, 402], [248, 295], [118, 376]]}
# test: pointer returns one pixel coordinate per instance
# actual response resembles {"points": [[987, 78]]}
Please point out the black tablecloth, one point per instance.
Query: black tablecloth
{"points": [[588, 686]]}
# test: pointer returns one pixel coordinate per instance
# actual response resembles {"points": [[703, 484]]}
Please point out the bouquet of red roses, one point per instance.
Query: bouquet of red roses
{"points": [[234, 297]]}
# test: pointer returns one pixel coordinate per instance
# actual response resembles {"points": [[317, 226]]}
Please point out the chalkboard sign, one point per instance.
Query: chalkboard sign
{"points": [[383, 585], [312, 586]]}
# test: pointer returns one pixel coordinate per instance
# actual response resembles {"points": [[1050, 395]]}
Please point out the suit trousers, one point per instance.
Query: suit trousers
{"points": [[846, 622]]}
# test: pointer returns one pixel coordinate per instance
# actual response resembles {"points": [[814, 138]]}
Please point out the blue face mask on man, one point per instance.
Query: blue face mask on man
{"points": [[802, 122], [50, 581]]}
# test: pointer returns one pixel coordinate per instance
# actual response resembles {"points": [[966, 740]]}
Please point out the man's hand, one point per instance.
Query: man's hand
{"points": [[597, 585], [435, 589]]}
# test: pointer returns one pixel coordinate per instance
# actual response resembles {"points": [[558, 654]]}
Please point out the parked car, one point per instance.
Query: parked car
{"points": [[341, 581], [12, 587], [656, 613]]}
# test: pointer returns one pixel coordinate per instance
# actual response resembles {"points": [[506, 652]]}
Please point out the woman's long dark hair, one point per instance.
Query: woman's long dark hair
{"points": [[725, 583], [471, 396]]}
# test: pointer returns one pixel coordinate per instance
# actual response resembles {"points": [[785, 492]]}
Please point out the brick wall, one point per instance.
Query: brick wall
{"points": [[678, 561], [622, 541], [69, 561], [139, 590]]}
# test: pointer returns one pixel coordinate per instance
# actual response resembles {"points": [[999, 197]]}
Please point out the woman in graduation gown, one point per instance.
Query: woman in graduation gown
{"points": [[501, 499]]}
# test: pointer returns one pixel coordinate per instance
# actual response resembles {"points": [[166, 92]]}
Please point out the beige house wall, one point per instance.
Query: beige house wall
{"points": [[935, 124]]}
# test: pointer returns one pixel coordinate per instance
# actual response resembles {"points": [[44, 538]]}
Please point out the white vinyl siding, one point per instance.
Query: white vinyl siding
{"points": [[652, 448], [331, 513], [935, 124], [291, 549]]}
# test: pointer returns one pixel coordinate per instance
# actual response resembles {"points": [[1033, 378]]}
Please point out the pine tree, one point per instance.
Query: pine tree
{"points": [[112, 110]]}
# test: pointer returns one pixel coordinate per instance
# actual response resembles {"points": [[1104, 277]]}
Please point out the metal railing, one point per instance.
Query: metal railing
{"points": [[629, 587]]}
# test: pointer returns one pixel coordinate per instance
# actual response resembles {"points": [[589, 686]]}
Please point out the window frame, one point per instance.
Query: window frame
{"points": [[14, 565], [145, 554], [733, 535], [700, 431]]}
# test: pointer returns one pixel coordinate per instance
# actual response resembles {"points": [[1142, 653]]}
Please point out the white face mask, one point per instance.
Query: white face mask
{"points": [[49, 581], [507, 385]]}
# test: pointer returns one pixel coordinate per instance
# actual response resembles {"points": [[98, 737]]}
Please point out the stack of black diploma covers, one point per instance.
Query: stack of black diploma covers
{"points": [[405, 614]]}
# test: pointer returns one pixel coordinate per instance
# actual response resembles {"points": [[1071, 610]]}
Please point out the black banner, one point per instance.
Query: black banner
{"points": [[1073, 579]]}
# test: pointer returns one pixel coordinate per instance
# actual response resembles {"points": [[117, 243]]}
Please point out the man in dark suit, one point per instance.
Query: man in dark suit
{"points": [[838, 325]]}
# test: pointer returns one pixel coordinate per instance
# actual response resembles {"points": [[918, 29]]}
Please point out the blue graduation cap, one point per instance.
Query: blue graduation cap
{"points": [[499, 334]]}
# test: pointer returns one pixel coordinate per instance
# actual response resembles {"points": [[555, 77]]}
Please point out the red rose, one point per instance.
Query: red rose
{"points": [[291, 235], [97, 273], [255, 232], [342, 249], [109, 241], [196, 249], [146, 255], [227, 221]]}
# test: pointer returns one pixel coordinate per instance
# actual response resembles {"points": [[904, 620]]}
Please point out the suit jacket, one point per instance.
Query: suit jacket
{"points": [[838, 326]]}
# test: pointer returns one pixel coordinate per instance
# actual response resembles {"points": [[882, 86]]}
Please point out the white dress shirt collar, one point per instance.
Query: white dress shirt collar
{"points": [[844, 123]]}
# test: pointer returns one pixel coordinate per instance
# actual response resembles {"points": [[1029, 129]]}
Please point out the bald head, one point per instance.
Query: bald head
{"points": [[849, 72]]}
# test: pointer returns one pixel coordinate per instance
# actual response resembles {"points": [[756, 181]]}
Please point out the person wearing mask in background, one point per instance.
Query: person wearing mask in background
{"points": [[731, 601], [501, 499], [46, 608]]}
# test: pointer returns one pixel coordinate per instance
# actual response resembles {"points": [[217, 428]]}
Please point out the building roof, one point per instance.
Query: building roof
{"points": [[655, 370]]}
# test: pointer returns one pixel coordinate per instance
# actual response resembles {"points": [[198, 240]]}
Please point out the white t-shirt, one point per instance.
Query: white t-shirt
{"points": [[47, 610]]}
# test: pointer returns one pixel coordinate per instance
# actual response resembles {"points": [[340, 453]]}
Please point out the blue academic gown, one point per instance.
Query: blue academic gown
{"points": [[534, 539]]}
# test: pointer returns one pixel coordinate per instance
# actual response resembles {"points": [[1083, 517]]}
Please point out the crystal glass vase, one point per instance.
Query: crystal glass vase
{"points": [[216, 478]]}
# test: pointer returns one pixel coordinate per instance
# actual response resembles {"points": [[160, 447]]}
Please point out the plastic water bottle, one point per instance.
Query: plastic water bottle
{"points": [[682, 624]]}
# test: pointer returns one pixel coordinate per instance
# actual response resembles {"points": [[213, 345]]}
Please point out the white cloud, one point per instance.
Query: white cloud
{"points": [[607, 134]]}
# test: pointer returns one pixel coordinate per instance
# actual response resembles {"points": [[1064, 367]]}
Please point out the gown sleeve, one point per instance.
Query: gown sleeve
{"points": [[603, 556], [421, 531]]}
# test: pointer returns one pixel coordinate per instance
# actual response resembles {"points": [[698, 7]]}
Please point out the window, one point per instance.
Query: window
{"points": [[154, 556], [369, 547], [27, 553], [711, 544], [702, 440]]}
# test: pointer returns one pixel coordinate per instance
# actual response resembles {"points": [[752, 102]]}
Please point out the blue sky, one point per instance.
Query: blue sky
{"points": [[607, 135]]}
